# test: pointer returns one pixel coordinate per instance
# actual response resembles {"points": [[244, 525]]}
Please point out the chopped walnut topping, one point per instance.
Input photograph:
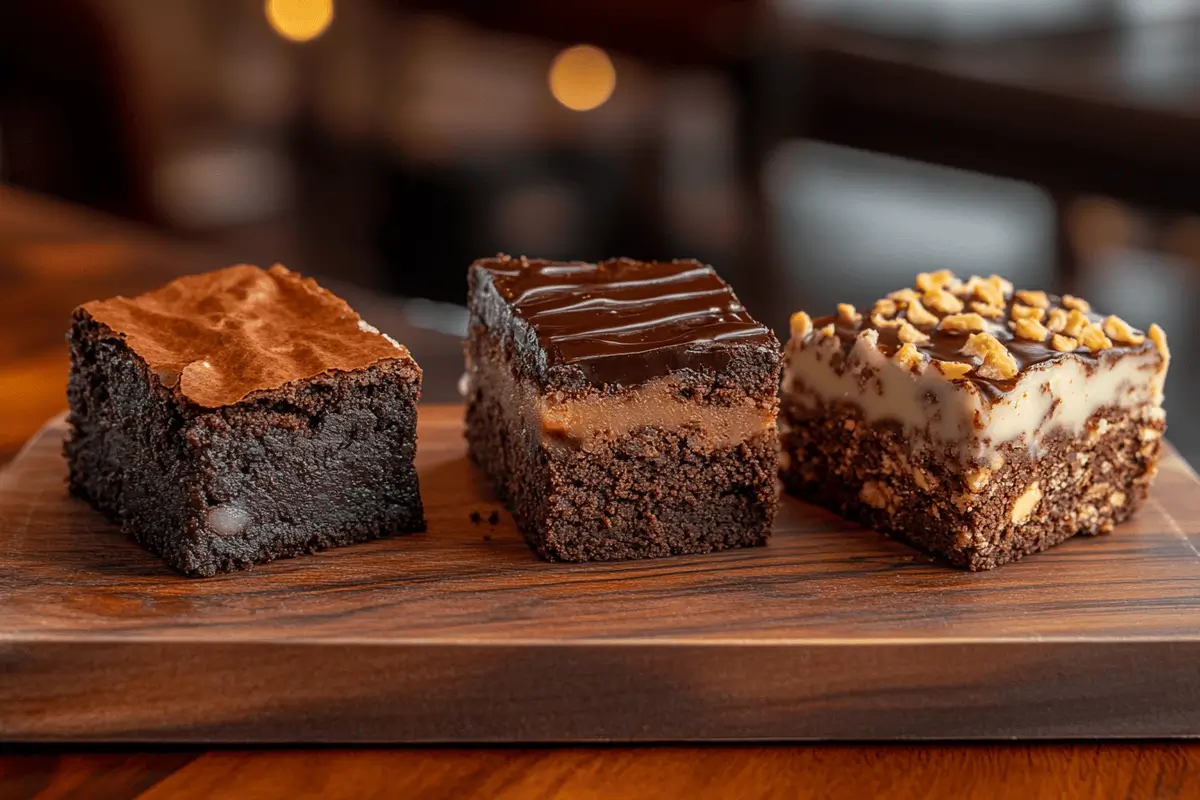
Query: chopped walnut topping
{"points": [[1077, 303], [1093, 338], [885, 308], [1063, 344], [1032, 330], [984, 310], [880, 321], [1026, 503], [952, 370], [1119, 330], [918, 315], [1028, 312], [977, 479], [908, 333], [966, 290], [1003, 285], [989, 292], [1160, 341], [848, 314], [800, 324], [1057, 321], [998, 363], [1117, 499], [904, 296], [829, 331], [942, 301], [1076, 322], [909, 356], [963, 323], [930, 281], [1032, 298]]}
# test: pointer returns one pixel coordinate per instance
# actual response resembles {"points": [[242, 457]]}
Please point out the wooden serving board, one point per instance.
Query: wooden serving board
{"points": [[460, 634]]}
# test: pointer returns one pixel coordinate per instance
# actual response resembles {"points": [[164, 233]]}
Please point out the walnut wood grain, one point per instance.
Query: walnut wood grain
{"points": [[460, 634], [70, 775], [1165, 771], [1162, 771]]}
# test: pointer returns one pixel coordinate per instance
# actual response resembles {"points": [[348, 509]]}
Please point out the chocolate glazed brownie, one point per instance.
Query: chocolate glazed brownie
{"points": [[622, 409], [241, 416], [978, 423]]}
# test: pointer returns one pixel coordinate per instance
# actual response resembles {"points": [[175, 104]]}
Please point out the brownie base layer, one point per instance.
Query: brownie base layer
{"points": [[320, 463], [1087, 484], [645, 494]]}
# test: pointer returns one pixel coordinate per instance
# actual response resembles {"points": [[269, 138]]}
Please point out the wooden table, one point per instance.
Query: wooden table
{"points": [[53, 256]]}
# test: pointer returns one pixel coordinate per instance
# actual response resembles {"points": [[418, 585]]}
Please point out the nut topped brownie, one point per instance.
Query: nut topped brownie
{"points": [[240, 416], [624, 409], [974, 421]]}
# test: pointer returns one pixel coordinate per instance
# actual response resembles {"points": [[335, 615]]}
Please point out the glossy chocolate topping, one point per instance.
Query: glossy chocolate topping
{"points": [[626, 321], [219, 336], [946, 345]]}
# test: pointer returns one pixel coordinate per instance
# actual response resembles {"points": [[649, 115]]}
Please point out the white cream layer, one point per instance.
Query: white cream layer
{"points": [[1055, 395]]}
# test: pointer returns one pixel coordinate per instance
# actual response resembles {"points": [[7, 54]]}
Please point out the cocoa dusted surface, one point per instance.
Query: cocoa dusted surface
{"points": [[624, 321], [220, 336]]}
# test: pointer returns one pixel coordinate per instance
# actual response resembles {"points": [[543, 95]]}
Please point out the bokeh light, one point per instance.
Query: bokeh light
{"points": [[582, 77], [300, 20]]}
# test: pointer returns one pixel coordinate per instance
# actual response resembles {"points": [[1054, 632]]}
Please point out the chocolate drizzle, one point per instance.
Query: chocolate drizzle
{"points": [[947, 345], [625, 321]]}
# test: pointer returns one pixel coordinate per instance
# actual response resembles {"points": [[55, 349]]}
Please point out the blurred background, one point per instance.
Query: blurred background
{"points": [[814, 152]]}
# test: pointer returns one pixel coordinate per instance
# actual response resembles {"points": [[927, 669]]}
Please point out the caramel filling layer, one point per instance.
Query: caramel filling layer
{"points": [[654, 405]]}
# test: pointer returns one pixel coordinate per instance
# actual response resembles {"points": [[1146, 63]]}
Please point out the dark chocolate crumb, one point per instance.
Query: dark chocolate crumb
{"points": [[494, 518], [831, 463], [476, 517], [487, 537]]}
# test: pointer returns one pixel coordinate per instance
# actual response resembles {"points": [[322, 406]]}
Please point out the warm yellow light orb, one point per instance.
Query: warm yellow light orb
{"points": [[582, 77], [300, 20]]}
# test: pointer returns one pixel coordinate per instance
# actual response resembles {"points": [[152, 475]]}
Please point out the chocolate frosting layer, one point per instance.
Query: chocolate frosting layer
{"points": [[625, 321], [220, 336]]}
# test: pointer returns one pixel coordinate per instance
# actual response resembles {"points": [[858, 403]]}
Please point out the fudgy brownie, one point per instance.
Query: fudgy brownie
{"points": [[240, 416], [623, 409], [976, 422]]}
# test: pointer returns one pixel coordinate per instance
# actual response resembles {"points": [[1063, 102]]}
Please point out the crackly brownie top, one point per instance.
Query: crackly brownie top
{"points": [[220, 336], [625, 321], [982, 330]]}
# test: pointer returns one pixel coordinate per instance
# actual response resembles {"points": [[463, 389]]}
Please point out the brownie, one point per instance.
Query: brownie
{"points": [[240, 416], [624, 409], [975, 422]]}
